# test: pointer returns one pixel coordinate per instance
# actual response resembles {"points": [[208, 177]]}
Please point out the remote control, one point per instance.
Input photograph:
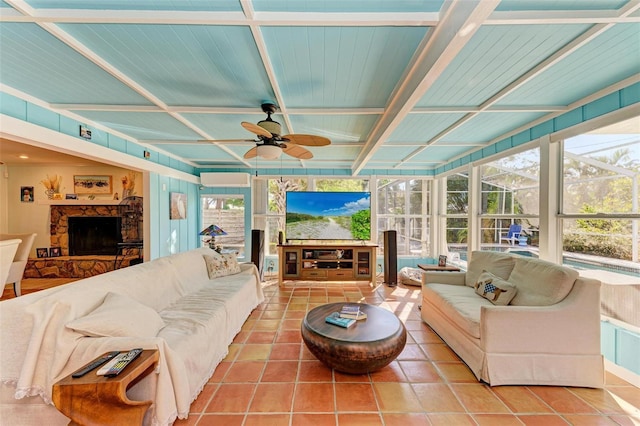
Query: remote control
{"points": [[94, 364], [123, 362]]}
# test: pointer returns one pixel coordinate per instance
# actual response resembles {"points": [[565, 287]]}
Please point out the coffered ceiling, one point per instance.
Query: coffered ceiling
{"points": [[395, 85]]}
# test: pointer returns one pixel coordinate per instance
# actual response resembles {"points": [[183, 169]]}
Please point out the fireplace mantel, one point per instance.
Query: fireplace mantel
{"points": [[79, 202]]}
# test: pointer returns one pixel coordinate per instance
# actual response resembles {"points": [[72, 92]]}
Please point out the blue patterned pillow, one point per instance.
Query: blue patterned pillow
{"points": [[495, 289]]}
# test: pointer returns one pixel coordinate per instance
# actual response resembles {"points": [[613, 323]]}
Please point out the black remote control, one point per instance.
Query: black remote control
{"points": [[123, 362], [94, 364]]}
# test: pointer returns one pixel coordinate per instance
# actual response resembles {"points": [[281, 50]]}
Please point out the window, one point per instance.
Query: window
{"points": [[274, 219], [227, 212], [403, 206], [456, 212]]}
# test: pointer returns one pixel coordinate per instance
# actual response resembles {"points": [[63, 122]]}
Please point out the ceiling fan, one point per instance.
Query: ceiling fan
{"points": [[271, 144]]}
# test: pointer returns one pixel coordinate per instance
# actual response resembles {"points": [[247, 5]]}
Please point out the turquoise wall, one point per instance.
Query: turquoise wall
{"points": [[620, 346]]}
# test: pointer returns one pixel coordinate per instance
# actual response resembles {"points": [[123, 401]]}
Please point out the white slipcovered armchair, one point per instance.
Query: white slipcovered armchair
{"points": [[16, 269]]}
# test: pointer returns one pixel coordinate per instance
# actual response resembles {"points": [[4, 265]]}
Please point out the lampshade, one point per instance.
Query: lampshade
{"points": [[270, 152], [213, 231]]}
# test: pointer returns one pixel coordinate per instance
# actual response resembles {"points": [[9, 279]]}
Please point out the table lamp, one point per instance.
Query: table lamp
{"points": [[212, 231]]}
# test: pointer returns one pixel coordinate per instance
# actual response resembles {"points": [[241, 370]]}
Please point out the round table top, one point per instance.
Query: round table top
{"points": [[380, 324]]}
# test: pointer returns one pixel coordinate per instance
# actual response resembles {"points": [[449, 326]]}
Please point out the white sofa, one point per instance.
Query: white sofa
{"points": [[549, 334], [169, 304]]}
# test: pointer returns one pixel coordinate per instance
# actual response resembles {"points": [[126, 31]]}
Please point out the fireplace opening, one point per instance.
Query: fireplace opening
{"points": [[94, 235]]}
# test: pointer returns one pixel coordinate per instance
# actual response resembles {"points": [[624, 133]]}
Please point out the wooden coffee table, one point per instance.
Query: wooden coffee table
{"points": [[367, 346]]}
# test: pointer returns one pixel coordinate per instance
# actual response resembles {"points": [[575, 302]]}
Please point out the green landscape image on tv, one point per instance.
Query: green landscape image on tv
{"points": [[328, 216]]}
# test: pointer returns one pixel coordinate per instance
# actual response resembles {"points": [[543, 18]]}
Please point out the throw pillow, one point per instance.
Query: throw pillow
{"points": [[495, 289], [221, 265], [119, 316]]}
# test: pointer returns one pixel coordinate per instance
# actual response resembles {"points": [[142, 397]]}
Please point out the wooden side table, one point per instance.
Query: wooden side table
{"points": [[99, 400], [448, 268]]}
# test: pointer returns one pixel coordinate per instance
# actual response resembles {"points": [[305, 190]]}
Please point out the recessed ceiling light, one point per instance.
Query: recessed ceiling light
{"points": [[24, 157]]}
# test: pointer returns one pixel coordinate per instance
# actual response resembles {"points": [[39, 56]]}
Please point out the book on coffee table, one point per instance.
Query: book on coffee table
{"points": [[335, 319], [352, 312]]}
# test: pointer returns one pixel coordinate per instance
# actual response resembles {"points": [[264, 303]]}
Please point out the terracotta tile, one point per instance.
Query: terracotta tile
{"points": [[249, 324], [355, 397], [519, 399], [303, 419], [288, 336], [221, 419], [496, 420], [234, 349], [390, 373], [412, 352], [314, 398], [424, 335], [627, 394], [455, 372], [625, 420], [244, 371], [420, 372], [220, 372], [611, 379], [314, 371], [437, 398], [267, 420], [251, 352], [478, 398], [562, 400], [306, 354], [292, 324], [280, 371], [360, 419], [588, 420], [267, 325], [451, 419], [396, 397], [439, 352], [285, 351], [291, 315], [241, 337], [201, 402], [542, 420], [603, 401], [192, 420], [231, 398], [272, 398], [405, 419], [261, 337], [339, 377]]}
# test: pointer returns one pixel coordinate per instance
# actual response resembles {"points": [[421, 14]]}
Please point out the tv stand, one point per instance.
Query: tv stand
{"points": [[326, 262]]}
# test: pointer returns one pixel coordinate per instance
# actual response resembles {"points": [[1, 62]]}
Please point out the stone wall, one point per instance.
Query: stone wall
{"points": [[75, 266]]}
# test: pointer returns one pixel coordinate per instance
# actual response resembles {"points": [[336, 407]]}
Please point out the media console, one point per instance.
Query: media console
{"points": [[326, 262]]}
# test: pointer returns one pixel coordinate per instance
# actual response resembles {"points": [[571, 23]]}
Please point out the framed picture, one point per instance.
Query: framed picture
{"points": [[71, 196], [54, 252], [178, 206], [26, 194], [92, 184], [442, 260], [42, 252]]}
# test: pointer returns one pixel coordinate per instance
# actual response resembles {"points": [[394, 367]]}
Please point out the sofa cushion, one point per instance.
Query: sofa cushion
{"points": [[119, 316], [541, 283], [499, 264], [460, 304], [221, 265], [495, 289]]}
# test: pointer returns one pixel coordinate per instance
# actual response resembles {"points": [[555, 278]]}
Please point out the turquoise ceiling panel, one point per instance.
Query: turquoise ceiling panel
{"points": [[422, 127], [31, 59], [142, 125], [611, 57], [495, 57], [524, 5], [440, 153], [340, 66], [393, 153], [184, 65], [202, 151], [338, 128], [487, 126], [330, 153], [187, 5], [338, 6]]}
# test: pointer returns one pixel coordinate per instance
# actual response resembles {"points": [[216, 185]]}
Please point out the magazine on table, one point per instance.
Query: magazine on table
{"points": [[352, 312]]}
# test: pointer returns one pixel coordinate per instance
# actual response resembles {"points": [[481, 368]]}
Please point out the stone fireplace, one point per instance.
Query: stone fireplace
{"points": [[60, 221]]}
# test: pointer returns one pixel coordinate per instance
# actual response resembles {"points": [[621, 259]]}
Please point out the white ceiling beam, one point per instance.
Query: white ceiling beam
{"points": [[461, 20]]}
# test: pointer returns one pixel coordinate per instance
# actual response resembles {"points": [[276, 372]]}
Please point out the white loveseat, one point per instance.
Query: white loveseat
{"points": [[169, 304], [549, 334]]}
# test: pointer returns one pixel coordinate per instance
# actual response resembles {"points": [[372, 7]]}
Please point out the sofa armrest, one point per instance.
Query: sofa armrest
{"points": [[570, 326], [441, 277]]}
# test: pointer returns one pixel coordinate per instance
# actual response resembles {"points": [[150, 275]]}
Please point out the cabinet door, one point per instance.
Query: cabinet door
{"points": [[363, 267], [291, 263]]}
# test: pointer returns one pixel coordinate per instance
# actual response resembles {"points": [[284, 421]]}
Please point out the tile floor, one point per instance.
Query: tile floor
{"points": [[270, 378]]}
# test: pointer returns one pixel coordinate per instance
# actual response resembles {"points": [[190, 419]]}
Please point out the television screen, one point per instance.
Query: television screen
{"points": [[328, 216]]}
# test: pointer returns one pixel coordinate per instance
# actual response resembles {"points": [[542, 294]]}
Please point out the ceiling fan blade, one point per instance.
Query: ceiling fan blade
{"points": [[254, 128], [307, 140], [297, 151], [226, 140], [252, 153]]}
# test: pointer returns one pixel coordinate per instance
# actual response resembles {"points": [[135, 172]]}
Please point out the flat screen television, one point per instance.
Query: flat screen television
{"points": [[328, 215]]}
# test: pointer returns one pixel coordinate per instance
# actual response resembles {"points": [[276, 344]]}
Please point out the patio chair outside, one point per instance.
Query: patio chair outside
{"points": [[512, 235]]}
